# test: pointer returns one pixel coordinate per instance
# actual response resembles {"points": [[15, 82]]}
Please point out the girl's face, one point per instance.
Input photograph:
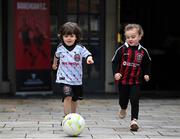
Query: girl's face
{"points": [[69, 40], [132, 37]]}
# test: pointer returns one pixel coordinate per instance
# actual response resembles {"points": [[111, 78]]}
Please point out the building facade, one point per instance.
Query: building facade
{"points": [[99, 20]]}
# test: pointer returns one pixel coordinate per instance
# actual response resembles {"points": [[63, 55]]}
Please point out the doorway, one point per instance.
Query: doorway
{"points": [[89, 14]]}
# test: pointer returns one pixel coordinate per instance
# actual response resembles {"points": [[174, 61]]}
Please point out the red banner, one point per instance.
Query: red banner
{"points": [[32, 34], [32, 45]]}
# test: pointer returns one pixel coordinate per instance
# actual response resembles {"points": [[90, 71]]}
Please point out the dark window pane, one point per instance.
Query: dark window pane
{"points": [[83, 23], [84, 40], [83, 6], [94, 7], [53, 28], [94, 47], [94, 23], [72, 18], [53, 6], [71, 6]]}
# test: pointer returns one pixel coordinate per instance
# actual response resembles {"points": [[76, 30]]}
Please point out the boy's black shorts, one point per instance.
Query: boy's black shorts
{"points": [[76, 91]]}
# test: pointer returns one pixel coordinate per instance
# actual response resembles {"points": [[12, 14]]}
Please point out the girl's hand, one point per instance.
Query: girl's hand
{"points": [[117, 76], [146, 78], [54, 66], [90, 60]]}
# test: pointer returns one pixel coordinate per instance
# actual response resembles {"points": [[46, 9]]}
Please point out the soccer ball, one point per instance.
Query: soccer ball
{"points": [[73, 124]]}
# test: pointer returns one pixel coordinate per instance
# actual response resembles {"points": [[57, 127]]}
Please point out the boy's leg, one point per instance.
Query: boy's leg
{"points": [[77, 95], [74, 106], [66, 92], [123, 96], [123, 100], [134, 100], [67, 105], [67, 98]]}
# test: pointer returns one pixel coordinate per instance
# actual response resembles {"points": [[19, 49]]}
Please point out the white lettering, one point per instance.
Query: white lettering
{"points": [[31, 6], [130, 64]]}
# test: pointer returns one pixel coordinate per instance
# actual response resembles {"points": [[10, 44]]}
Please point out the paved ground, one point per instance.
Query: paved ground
{"points": [[39, 118]]}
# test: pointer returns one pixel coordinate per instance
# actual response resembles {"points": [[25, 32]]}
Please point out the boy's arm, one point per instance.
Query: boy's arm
{"points": [[55, 63], [146, 64], [115, 62], [89, 60]]}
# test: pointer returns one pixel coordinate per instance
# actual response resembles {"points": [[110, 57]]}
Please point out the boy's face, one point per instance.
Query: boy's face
{"points": [[132, 37], [69, 40]]}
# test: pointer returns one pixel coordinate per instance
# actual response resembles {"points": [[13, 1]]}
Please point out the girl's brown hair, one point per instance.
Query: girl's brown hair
{"points": [[70, 28]]}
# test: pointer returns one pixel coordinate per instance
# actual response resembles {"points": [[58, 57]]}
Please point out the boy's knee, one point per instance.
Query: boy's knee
{"points": [[68, 98]]}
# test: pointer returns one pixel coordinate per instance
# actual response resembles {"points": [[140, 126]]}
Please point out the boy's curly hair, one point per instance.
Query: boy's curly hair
{"points": [[70, 28]]}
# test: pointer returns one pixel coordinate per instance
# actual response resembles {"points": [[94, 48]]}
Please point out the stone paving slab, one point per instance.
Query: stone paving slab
{"points": [[39, 118]]}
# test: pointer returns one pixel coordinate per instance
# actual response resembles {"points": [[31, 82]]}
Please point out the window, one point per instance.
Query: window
{"points": [[90, 17], [86, 13]]}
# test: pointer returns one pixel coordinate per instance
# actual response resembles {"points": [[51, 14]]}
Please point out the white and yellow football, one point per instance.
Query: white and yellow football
{"points": [[73, 124]]}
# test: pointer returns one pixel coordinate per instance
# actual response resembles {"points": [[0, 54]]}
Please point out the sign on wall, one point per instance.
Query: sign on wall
{"points": [[32, 45]]}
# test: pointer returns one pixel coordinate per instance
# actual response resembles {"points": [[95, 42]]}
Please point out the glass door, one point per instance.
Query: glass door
{"points": [[89, 14]]}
